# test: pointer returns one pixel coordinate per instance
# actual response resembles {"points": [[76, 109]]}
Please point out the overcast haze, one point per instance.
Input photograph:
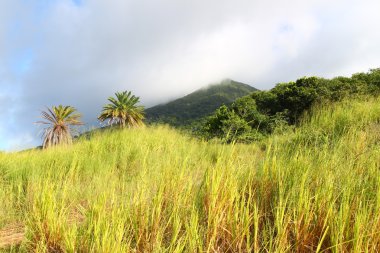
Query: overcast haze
{"points": [[80, 52]]}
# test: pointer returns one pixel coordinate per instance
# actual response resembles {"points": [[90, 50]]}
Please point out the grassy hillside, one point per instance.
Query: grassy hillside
{"points": [[314, 188], [198, 104]]}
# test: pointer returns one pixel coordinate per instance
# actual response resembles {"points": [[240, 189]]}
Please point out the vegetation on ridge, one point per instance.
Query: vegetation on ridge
{"points": [[252, 117]]}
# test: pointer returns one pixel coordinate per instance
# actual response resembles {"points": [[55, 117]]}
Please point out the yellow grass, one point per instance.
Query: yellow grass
{"points": [[315, 188]]}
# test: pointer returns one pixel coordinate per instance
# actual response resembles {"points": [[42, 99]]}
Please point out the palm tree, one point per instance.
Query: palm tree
{"points": [[60, 120], [123, 110]]}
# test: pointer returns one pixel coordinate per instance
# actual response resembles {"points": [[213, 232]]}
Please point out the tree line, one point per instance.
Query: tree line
{"points": [[253, 117]]}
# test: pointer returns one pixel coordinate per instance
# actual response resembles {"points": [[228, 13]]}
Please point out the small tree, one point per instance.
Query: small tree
{"points": [[229, 127], [123, 110], [60, 120]]}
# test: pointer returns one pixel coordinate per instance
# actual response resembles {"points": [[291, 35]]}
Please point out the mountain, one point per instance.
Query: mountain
{"points": [[198, 104]]}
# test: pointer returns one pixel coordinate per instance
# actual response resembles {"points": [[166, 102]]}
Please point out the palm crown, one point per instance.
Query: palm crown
{"points": [[123, 110], [60, 120]]}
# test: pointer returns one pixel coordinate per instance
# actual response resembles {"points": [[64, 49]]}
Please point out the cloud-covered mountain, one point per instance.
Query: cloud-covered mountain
{"points": [[198, 104]]}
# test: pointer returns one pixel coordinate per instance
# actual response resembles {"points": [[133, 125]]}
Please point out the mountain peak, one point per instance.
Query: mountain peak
{"points": [[198, 104]]}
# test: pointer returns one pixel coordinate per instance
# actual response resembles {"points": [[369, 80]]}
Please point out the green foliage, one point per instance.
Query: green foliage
{"points": [[285, 104], [193, 107], [291, 98], [123, 110], [239, 123], [60, 120], [372, 78]]}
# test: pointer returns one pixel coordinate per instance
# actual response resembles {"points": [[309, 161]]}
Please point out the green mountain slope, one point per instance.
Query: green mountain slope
{"points": [[198, 104]]}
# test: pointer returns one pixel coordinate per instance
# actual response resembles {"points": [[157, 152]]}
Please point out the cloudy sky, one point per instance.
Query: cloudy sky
{"points": [[79, 52]]}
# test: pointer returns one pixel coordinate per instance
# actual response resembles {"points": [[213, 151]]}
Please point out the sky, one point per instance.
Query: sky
{"points": [[80, 52]]}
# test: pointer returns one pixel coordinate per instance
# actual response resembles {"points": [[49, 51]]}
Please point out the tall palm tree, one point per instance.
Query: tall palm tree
{"points": [[123, 110], [60, 120]]}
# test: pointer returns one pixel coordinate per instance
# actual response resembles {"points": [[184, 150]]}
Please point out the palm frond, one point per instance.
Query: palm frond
{"points": [[60, 120], [123, 110]]}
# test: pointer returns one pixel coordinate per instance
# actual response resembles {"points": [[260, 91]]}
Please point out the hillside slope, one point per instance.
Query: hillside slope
{"points": [[313, 188], [260, 114], [198, 104]]}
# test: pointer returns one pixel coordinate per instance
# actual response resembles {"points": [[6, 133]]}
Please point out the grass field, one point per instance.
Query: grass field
{"points": [[312, 188]]}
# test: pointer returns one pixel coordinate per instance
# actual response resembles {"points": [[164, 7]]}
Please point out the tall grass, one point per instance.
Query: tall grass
{"points": [[315, 188]]}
